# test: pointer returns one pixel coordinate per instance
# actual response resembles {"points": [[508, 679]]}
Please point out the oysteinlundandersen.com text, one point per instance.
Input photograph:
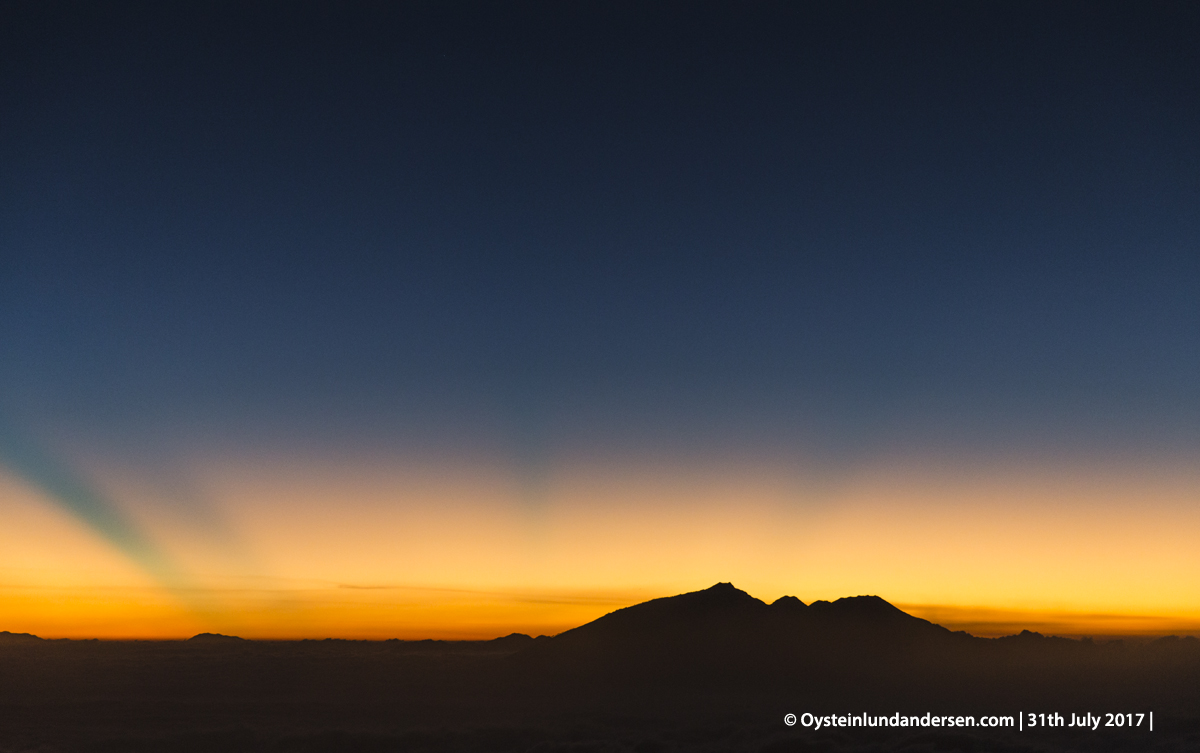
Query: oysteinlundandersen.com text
{"points": [[898, 720]]}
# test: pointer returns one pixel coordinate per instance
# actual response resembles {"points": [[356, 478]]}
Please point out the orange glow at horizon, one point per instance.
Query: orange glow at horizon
{"points": [[376, 550]]}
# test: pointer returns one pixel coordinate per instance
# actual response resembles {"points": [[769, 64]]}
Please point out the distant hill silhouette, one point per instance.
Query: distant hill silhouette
{"points": [[7, 637], [515, 641], [214, 638]]}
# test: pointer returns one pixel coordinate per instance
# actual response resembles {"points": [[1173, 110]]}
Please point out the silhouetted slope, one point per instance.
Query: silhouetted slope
{"points": [[698, 634], [716, 613]]}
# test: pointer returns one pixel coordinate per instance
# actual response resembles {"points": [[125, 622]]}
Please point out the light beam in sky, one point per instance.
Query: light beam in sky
{"points": [[71, 492]]}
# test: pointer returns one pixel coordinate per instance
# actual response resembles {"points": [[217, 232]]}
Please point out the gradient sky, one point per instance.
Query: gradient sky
{"points": [[433, 319]]}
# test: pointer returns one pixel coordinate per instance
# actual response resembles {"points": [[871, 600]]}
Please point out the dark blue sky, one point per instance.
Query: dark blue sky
{"points": [[741, 228]]}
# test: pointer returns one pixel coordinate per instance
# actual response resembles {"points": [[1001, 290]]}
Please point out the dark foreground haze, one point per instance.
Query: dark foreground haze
{"points": [[705, 671]]}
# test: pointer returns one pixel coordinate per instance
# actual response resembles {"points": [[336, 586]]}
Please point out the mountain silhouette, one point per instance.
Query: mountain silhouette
{"points": [[858, 649], [723, 634], [725, 613]]}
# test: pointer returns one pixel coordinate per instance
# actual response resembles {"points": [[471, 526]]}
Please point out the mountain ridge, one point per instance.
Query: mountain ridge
{"points": [[860, 649], [722, 633]]}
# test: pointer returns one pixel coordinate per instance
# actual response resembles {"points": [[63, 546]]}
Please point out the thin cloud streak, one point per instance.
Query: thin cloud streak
{"points": [[622, 598], [994, 622]]}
